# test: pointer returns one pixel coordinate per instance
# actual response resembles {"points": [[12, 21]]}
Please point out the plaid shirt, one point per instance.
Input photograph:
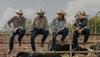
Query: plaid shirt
{"points": [[81, 23], [39, 22], [58, 24], [17, 22]]}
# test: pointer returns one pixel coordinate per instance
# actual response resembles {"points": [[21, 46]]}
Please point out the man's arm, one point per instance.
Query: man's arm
{"points": [[46, 24], [85, 22], [54, 28], [84, 25], [24, 23], [65, 24], [53, 24], [9, 23], [75, 25], [33, 24]]}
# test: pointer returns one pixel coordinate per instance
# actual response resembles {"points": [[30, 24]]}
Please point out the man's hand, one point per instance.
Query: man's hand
{"points": [[20, 27], [76, 28], [13, 30], [30, 30], [80, 30], [55, 30]]}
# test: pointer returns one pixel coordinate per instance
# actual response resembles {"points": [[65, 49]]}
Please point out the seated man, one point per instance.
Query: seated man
{"points": [[18, 28], [58, 26], [80, 27], [39, 26]]}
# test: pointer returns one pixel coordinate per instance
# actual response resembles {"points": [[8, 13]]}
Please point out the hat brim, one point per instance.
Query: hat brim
{"points": [[62, 13], [40, 12], [19, 13], [84, 15]]}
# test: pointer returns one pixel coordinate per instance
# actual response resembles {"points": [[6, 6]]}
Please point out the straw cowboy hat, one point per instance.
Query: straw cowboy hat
{"points": [[83, 13], [19, 11], [78, 14], [40, 12], [61, 12]]}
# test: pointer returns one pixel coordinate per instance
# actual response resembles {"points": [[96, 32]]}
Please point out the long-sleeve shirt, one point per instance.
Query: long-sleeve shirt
{"points": [[17, 22], [58, 24], [81, 23], [39, 22]]}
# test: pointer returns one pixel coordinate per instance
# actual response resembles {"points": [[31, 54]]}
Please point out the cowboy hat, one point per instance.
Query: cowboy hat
{"points": [[61, 12], [40, 12], [19, 11], [83, 13]]}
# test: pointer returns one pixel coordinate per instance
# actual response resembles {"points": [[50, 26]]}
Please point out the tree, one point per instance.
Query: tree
{"points": [[94, 24]]}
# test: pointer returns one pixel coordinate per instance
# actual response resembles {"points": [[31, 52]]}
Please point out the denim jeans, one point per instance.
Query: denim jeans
{"points": [[85, 32], [63, 32], [20, 34], [35, 32]]}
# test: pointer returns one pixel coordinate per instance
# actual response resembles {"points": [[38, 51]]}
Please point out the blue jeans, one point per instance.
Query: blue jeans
{"points": [[12, 36], [85, 32], [63, 32], [35, 32]]}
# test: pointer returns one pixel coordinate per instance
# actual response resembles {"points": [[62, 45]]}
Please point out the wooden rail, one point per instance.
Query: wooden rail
{"points": [[28, 33], [47, 52]]}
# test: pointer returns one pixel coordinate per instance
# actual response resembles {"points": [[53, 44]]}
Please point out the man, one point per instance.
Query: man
{"points": [[39, 26], [17, 28], [80, 27], [58, 26]]}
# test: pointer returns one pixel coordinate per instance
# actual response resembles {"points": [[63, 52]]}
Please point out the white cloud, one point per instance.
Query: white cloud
{"points": [[10, 12], [89, 6], [29, 13], [7, 14], [73, 6]]}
